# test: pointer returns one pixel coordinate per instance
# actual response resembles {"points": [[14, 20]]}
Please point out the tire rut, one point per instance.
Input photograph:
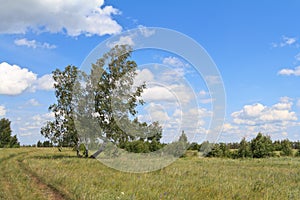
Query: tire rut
{"points": [[50, 191]]}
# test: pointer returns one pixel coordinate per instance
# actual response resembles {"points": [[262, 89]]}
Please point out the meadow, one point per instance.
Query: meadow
{"points": [[46, 173]]}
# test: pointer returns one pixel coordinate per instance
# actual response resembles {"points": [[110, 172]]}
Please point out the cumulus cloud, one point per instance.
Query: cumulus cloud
{"points": [[123, 40], [174, 61], [158, 93], [157, 112], [15, 80], [275, 120], [33, 44], [69, 16], [227, 127], [258, 114], [288, 72], [45, 82], [36, 122], [205, 97], [144, 75], [2, 111]]}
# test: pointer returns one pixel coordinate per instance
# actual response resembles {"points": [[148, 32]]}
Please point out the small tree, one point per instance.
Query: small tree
{"points": [[219, 150], [286, 148], [244, 149], [6, 140], [62, 130], [261, 146]]}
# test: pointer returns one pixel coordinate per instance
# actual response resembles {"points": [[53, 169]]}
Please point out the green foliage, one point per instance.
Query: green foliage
{"points": [[137, 146], [206, 147], [44, 144], [297, 153], [183, 138], [219, 150], [115, 98], [194, 146], [105, 105], [261, 146], [6, 140], [244, 149], [102, 104], [178, 148], [286, 148], [62, 130]]}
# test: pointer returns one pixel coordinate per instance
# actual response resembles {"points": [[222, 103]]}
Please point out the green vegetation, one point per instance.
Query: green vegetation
{"points": [[39, 173], [259, 147], [6, 139], [101, 106]]}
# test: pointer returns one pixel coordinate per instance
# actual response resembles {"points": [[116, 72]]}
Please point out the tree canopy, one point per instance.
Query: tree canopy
{"points": [[100, 105], [6, 139]]}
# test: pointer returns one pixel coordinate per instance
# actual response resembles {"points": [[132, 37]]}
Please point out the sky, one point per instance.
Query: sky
{"points": [[254, 45]]}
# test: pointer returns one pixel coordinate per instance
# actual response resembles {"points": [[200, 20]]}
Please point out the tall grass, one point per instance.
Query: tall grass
{"points": [[187, 178]]}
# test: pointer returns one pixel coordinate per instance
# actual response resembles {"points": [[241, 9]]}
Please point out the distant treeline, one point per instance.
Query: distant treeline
{"points": [[260, 147]]}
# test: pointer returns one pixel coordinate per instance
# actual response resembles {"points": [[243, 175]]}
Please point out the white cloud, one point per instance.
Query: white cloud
{"points": [[157, 112], [45, 82], [288, 72], [36, 122], [203, 93], [15, 80], [258, 114], [287, 41], [2, 111], [33, 44], [213, 80], [33, 102], [285, 99], [146, 32], [206, 101], [173, 75], [275, 120], [229, 128], [144, 75], [158, 93], [73, 17], [123, 40], [174, 61], [205, 97]]}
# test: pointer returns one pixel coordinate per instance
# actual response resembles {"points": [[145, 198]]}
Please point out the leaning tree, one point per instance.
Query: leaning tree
{"points": [[106, 102], [100, 106]]}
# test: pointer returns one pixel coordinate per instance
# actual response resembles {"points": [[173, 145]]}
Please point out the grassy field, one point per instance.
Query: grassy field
{"points": [[46, 173]]}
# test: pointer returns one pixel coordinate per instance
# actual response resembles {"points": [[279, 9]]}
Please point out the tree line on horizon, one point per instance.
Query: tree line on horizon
{"points": [[259, 147]]}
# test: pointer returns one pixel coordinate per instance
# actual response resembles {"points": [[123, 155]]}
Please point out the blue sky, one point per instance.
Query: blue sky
{"points": [[254, 44]]}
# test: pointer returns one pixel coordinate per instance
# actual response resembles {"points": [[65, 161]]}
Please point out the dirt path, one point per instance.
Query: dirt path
{"points": [[50, 192]]}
